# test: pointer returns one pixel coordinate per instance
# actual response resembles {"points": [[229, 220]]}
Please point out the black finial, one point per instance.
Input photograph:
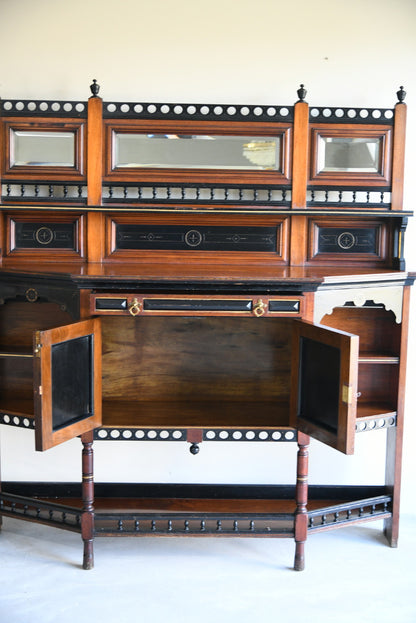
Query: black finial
{"points": [[401, 95], [194, 449], [301, 93], [95, 88]]}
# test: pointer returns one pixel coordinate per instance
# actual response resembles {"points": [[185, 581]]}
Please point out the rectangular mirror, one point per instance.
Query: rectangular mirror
{"points": [[349, 154], [196, 151], [42, 149]]}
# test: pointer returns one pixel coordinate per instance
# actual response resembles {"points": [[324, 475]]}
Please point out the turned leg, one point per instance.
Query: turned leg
{"points": [[87, 517], [1, 516], [301, 496]]}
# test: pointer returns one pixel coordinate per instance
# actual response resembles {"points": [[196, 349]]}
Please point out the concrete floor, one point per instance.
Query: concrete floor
{"points": [[351, 575]]}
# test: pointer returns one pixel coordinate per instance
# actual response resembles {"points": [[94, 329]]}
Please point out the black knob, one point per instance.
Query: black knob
{"points": [[95, 88], [194, 449], [301, 92], [401, 94]]}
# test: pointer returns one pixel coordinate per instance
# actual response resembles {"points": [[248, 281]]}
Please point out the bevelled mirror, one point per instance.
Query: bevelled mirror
{"points": [[45, 148], [350, 155], [33, 148], [196, 151], [164, 151]]}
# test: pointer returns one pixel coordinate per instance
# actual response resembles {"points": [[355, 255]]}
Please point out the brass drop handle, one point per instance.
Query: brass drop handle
{"points": [[134, 307], [259, 308]]}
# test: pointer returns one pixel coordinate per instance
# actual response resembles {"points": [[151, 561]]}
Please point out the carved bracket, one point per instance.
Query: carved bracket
{"points": [[391, 298]]}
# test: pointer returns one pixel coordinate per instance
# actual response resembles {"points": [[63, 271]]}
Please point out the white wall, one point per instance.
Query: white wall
{"points": [[348, 53]]}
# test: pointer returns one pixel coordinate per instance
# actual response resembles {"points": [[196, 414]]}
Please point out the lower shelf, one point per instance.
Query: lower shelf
{"points": [[193, 510]]}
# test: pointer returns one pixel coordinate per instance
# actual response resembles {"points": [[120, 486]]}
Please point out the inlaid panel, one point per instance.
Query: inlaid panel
{"points": [[46, 235], [343, 240]]}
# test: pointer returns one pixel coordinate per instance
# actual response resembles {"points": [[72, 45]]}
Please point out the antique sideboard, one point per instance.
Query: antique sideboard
{"points": [[196, 273]]}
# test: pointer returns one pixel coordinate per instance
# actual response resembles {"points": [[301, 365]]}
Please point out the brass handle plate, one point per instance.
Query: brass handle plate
{"points": [[134, 307], [259, 308]]}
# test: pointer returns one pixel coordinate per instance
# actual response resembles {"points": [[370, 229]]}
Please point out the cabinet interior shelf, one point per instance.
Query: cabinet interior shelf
{"points": [[378, 359], [16, 352], [204, 415]]}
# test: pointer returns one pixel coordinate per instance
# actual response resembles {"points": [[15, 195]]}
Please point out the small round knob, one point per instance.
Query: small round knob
{"points": [[194, 449], [134, 307]]}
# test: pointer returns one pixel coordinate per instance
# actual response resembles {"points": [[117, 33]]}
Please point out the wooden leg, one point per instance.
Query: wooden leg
{"points": [[393, 477], [394, 448], [87, 517], [1, 516], [301, 513]]}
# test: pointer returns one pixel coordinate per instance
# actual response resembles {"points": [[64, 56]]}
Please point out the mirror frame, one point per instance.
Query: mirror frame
{"points": [[52, 172], [351, 178], [201, 175]]}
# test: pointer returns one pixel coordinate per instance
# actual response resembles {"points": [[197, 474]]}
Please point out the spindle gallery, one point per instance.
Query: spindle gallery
{"points": [[196, 273]]}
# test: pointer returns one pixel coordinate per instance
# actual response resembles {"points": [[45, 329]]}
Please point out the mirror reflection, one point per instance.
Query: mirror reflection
{"points": [[359, 155], [180, 151], [29, 148]]}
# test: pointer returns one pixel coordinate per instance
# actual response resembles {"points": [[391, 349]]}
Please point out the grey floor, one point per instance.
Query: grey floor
{"points": [[351, 575]]}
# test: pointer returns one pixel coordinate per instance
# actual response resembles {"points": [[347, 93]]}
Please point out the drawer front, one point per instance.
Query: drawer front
{"points": [[350, 241], [202, 237], [183, 305], [46, 237]]}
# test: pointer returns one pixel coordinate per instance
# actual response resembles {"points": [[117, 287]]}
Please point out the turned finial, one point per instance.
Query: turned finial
{"points": [[401, 94], [95, 88], [301, 92]]}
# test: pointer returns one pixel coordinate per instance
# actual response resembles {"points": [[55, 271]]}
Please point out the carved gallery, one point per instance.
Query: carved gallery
{"points": [[197, 273]]}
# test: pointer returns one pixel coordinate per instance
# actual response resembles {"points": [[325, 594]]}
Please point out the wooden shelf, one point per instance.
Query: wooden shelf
{"points": [[375, 410], [15, 406], [374, 358], [230, 415], [19, 352], [195, 414]]}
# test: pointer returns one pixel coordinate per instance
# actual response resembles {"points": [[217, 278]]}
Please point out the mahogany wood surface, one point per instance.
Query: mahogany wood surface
{"points": [[342, 438], [87, 516], [252, 414], [167, 273], [46, 436], [399, 141], [208, 371], [200, 359], [394, 452]]}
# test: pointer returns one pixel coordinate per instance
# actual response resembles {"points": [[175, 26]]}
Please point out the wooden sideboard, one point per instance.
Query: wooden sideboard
{"points": [[190, 272]]}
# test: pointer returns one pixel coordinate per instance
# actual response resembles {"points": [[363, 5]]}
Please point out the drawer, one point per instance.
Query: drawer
{"points": [[172, 305], [349, 241], [197, 238], [47, 236]]}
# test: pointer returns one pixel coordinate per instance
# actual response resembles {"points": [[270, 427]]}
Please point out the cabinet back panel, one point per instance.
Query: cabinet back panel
{"points": [[16, 377], [20, 319], [378, 383], [377, 328], [196, 358]]}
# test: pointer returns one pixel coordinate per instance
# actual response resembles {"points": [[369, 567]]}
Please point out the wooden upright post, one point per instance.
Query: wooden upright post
{"points": [[394, 448], [95, 231], [399, 140], [299, 180]]}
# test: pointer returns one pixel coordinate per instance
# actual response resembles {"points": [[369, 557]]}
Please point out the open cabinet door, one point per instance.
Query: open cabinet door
{"points": [[67, 382], [324, 384]]}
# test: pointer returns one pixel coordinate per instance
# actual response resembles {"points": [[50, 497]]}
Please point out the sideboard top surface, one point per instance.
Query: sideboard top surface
{"points": [[309, 278]]}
